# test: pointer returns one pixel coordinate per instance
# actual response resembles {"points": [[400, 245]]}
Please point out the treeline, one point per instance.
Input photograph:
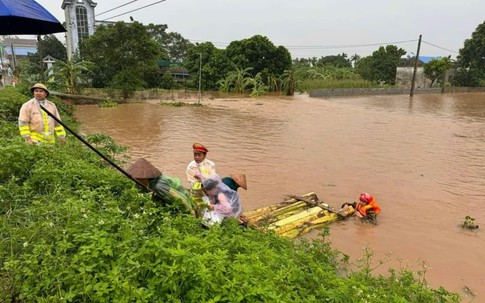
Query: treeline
{"points": [[72, 229], [126, 56]]}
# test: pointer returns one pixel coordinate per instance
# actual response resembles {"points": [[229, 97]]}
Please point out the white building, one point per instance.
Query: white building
{"points": [[80, 22]]}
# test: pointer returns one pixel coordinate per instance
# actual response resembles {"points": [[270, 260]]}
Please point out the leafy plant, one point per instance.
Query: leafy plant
{"points": [[108, 103], [469, 223]]}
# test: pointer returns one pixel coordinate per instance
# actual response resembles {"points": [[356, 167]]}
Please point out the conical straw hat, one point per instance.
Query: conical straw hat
{"points": [[142, 169], [240, 180]]}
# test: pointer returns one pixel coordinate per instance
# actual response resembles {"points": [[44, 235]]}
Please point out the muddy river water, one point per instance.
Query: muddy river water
{"points": [[422, 158]]}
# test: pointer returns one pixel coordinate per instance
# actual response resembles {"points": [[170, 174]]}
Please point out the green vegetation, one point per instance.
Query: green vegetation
{"points": [[73, 229], [180, 104], [471, 60], [68, 76], [469, 223], [436, 70], [108, 103], [127, 57]]}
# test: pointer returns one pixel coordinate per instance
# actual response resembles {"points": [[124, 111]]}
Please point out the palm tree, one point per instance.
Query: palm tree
{"points": [[69, 75], [354, 59]]}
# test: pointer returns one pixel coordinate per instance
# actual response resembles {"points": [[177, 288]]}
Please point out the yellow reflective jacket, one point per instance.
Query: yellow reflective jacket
{"points": [[37, 124]]}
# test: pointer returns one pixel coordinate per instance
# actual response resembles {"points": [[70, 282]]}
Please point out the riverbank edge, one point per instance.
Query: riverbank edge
{"points": [[340, 92], [191, 97]]}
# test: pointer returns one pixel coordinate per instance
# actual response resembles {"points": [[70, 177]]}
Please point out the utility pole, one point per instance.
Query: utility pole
{"points": [[411, 94], [200, 75]]}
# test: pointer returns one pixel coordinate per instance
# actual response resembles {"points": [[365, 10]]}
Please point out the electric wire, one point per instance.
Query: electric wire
{"points": [[137, 9], [440, 47], [321, 47], [347, 45], [115, 8]]}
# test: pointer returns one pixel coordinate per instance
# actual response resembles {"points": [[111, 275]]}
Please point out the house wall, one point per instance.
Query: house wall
{"points": [[404, 77], [71, 23]]}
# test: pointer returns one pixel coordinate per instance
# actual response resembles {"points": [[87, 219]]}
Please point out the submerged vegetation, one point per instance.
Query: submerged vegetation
{"points": [[180, 103], [73, 229]]}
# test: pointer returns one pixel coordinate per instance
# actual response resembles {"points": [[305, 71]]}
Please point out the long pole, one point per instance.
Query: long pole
{"points": [[411, 94], [95, 150], [200, 75]]}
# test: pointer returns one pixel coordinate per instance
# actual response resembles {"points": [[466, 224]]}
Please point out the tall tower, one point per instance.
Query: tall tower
{"points": [[80, 22]]}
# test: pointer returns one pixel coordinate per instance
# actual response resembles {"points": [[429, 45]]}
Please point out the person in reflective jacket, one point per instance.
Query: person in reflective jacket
{"points": [[35, 125], [201, 167]]}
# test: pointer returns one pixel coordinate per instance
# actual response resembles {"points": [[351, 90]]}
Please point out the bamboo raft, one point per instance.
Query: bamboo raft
{"points": [[295, 216]]}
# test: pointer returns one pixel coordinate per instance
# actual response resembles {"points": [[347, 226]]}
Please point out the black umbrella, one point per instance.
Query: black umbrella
{"points": [[27, 17]]}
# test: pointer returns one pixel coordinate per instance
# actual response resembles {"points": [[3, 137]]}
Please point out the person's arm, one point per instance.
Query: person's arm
{"points": [[24, 124], [190, 172]]}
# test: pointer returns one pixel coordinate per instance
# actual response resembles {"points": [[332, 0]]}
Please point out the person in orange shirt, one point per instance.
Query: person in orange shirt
{"points": [[367, 208]]}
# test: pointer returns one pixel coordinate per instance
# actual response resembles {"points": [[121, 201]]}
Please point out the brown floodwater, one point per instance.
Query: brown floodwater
{"points": [[422, 158]]}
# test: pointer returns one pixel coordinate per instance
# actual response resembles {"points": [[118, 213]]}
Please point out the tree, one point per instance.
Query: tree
{"points": [[240, 79], [437, 68], [35, 68], [364, 68], [125, 48], [337, 61], [69, 75], [174, 45], [51, 46], [215, 65], [289, 82], [258, 86], [167, 80], [381, 65], [261, 54], [471, 59]]}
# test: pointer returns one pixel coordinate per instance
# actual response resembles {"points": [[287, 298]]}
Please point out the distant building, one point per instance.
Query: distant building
{"points": [[80, 22], [178, 72], [13, 48], [404, 77]]}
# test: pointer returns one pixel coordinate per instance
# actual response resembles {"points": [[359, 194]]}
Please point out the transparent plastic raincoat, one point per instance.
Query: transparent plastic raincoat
{"points": [[224, 201]]}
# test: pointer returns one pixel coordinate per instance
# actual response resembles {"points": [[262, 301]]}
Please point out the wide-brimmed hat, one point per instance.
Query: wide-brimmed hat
{"points": [[41, 86], [199, 148], [142, 169], [240, 180]]}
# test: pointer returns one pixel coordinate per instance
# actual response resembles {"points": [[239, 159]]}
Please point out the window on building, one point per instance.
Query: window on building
{"points": [[82, 22]]}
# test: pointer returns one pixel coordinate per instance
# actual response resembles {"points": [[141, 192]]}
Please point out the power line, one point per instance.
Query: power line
{"points": [[115, 8], [321, 47], [134, 10], [309, 47], [437, 46]]}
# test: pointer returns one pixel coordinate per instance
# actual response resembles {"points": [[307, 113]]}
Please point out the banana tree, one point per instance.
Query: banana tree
{"points": [[69, 75]]}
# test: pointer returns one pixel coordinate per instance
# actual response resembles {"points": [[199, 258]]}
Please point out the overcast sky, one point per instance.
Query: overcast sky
{"points": [[309, 28]]}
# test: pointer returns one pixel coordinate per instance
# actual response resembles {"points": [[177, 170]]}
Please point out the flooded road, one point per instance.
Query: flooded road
{"points": [[423, 159]]}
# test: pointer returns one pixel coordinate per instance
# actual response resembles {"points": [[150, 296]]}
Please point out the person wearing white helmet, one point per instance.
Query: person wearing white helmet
{"points": [[35, 125]]}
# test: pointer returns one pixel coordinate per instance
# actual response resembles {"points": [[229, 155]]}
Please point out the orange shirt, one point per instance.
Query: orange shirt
{"points": [[361, 208]]}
